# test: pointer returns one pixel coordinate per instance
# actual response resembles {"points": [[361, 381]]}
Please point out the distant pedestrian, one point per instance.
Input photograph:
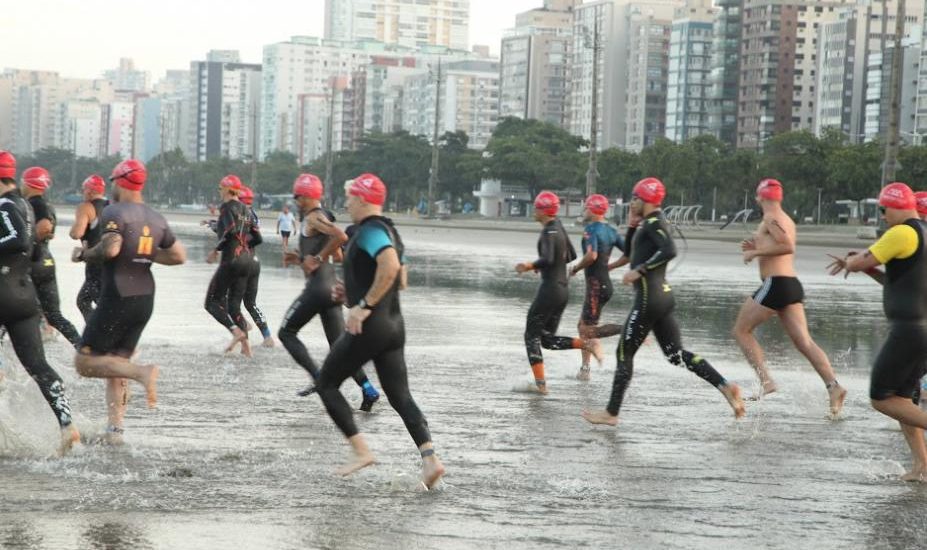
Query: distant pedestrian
{"points": [[286, 221]]}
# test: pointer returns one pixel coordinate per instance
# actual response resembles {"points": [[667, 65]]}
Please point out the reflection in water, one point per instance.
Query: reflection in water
{"points": [[21, 535], [115, 535]]}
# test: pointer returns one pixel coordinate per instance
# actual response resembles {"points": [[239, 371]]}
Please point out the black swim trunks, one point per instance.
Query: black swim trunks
{"points": [[779, 292], [901, 362], [285, 234]]}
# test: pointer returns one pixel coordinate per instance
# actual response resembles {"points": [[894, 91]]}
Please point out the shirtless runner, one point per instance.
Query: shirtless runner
{"points": [[780, 294]]}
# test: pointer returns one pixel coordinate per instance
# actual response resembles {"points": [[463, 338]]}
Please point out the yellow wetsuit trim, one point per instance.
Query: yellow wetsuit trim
{"points": [[897, 243]]}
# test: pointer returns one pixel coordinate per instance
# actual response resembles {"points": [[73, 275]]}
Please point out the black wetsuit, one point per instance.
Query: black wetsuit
{"points": [[554, 253], [236, 237], [43, 274], [382, 340], [316, 299], [902, 360], [651, 249], [127, 296], [246, 289], [89, 294], [19, 312]]}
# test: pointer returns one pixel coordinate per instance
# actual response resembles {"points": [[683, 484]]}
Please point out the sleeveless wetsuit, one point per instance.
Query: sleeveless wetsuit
{"points": [[89, 293]]}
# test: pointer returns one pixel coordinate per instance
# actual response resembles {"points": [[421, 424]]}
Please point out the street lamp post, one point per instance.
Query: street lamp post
{"points": [[433, 177]]}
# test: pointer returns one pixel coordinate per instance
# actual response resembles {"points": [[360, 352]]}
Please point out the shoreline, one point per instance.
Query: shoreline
{"points": [[828, 235]]}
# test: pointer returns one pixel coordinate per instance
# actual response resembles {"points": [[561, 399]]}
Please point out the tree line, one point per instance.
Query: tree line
{"points": [[537, 155]]}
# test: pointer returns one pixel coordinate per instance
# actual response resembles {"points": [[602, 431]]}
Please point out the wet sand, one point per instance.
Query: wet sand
{"points": [[233, 457]]}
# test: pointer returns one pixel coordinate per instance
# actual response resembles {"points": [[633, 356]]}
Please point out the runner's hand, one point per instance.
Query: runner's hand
{"points": [[524, 266], [338, 293], [356, 317], [838, 265], [212, 257]]}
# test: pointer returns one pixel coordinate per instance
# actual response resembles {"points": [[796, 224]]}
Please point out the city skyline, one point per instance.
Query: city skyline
{"points": [[83, 32]]}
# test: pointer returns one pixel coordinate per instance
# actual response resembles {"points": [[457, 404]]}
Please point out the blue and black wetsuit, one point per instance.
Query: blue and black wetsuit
{"points": [[382, 340], [43, 274], [89, 294], [246, 289], [554, 253], [236, 237], [316, 299], [651, 249], [602, 238], [19, 312]]}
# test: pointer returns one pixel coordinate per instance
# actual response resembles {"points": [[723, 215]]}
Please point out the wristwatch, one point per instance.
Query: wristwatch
{"points": [[364, 305], [318, 258]]}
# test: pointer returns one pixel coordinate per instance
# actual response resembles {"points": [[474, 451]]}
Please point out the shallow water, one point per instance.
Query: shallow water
{"points": [[232, 457]]}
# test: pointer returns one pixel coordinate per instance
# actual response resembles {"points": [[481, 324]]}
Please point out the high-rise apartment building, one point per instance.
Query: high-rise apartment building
{"points": [[80, 129], [409, 23], [633, 38], [534, 64], [877, 101], [845, 47], [226, 104], [778, 71], [127, 77], [469, 101], [725, 70], [689, 84]]}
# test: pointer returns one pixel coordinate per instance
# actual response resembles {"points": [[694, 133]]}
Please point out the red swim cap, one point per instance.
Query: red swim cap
{"points": [[308, 185], [7, 165], [650, 190], [231, 181], [94, 184], [246, 196], [770, 190], [37, 178], [921, 198], [547, 203], [130, 174], [897, 195], [597, 204], [368, 187]]}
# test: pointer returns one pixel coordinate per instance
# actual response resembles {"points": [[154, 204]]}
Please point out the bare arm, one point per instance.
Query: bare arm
{"points": [[81, 221], [620, 262], [588, 259], [108, 249], [176, 254], [855, 262], [337, 237], [388, 268]]}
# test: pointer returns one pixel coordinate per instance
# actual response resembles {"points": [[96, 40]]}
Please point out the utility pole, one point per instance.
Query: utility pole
{"points": [[329, 155], [890, 164], [433, 179], [254, 140], [592, 174]]}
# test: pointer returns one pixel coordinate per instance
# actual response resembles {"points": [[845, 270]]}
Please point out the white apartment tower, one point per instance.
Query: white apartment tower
{"points": [[409, 23]]}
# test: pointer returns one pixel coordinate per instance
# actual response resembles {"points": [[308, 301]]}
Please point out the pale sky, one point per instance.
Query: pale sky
{"points": [[82, 38]]}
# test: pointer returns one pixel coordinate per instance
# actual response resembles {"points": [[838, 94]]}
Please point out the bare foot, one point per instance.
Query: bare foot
{"points": [[360, 461], [268, 342], [246, 347], [541, 388], [918, 473], [838, 395], [594, 347], [151, 385], [584, 374], [432, 471], [732, 394], [768, 387], [238, 337], [69, 437], [600, 417]]}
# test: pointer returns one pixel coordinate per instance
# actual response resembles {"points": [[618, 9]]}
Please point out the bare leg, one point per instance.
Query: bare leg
{"points": [[117, 400], [796, 326], [915, 438], [751, 316], [362, 456], [592, 348], [113, 366], [903, 410], [239, 336]]}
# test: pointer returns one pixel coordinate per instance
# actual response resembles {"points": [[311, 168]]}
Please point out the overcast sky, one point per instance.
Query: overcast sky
{"points": [[82, 38]]}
